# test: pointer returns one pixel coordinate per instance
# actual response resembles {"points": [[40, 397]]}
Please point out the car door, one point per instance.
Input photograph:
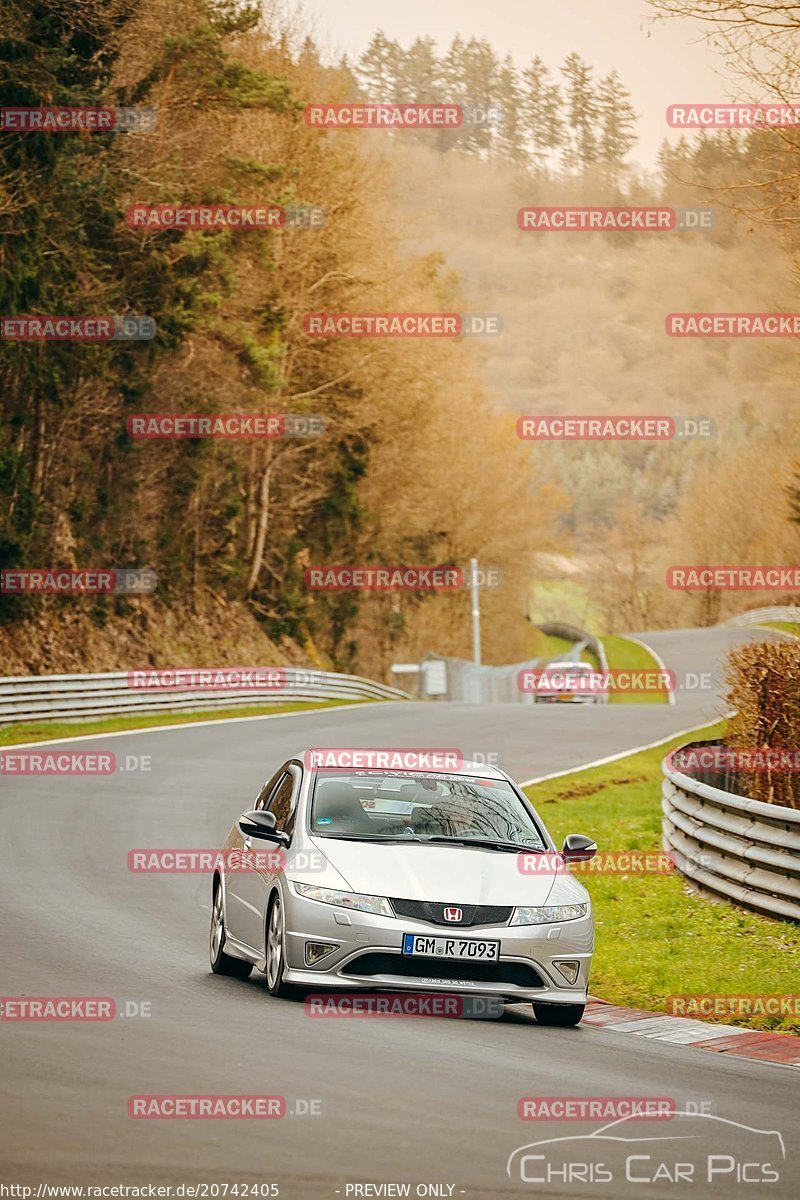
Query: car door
{"points": [[239, 890], [280, 797]]}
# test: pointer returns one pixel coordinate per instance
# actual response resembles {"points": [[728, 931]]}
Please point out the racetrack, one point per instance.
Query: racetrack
{"points": [[425, 1101]]}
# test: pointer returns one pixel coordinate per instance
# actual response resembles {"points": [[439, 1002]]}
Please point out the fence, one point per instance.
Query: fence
{"points": [[738, 848], [778, 612], [466, 682], [79, 697]]}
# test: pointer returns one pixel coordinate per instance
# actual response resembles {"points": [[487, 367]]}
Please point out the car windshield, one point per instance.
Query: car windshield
{"points": [[421, 807]]}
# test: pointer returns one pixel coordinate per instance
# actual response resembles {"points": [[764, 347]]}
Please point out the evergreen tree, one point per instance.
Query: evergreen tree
{"points": [[380, 69], [583, 147], [508, 136], [541, 112], [616, 119]]}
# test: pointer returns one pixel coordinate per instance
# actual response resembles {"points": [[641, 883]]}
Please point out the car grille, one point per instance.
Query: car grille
{"points": [[472, 914], [375, 963]]}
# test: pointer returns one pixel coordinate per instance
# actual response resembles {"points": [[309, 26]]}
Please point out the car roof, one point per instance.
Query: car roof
{"points": [[571, 663]]}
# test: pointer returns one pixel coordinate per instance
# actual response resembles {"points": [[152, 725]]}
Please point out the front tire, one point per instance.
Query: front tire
{"points": [[222, 963], [563, 1015], [275, 951]]}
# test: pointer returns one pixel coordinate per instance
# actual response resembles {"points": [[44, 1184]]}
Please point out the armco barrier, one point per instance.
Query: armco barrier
{"points": [[756, 616], [741, 849], [468, 683], [47, 697]]}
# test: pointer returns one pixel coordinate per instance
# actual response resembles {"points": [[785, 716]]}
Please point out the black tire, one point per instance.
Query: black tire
{"points": [[275, 952], [222, 963], [563, 1015]]}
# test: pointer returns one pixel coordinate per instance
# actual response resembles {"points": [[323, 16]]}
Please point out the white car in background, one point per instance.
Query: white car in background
{"points": [[571, 683]]}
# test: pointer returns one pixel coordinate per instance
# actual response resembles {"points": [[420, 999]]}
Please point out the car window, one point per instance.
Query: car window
{"points": [[267, 789], [386, 804], [280, 802]]}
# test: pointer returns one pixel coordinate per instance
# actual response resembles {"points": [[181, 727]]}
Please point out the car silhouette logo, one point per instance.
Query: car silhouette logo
{"points": [[453, 914]]}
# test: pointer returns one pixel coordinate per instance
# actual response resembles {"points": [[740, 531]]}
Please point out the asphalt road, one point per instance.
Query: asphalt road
{"points": [[422, 1101]]}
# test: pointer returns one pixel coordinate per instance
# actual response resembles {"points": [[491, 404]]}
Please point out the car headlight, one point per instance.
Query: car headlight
{"points": [[548, 913], [371, 904]]}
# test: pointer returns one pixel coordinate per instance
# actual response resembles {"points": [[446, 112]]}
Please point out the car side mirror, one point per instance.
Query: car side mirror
{"points": [[578, 848], [262, 825]]}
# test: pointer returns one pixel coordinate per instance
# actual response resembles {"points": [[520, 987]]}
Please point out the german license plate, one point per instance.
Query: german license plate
{"points": [[450, 947]]}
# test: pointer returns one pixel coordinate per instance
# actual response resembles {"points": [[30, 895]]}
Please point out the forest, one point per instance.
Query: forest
{"points": [[417, 462]]}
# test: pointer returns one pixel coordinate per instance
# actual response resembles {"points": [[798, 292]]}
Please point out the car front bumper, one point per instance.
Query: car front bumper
{"points": [[369, 955]]}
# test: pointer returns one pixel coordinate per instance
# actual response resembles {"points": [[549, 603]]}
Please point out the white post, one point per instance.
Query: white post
{"points": [[476, 613]]}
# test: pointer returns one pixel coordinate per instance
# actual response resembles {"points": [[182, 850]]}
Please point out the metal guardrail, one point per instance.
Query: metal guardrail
{"points": [[580, 637], [778, 612], [742, 849], [467, 683], [80, 697]]}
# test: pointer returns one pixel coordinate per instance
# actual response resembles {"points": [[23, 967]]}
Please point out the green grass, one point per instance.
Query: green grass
{"points": [[552, 647], [654, 938], [786, 626], [624, 655], [38, 731]]}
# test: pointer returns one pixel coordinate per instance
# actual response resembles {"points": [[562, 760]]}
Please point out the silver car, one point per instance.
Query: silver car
{"points": [[571, 683], [424, 881]]}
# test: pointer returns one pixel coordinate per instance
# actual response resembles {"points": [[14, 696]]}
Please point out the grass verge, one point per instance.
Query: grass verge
{"points": [[39, 731], [654, 938], [786, 626], [625, 655]]}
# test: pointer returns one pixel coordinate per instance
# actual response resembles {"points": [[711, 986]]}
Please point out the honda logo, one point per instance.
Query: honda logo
{"points": [[453, 914]]}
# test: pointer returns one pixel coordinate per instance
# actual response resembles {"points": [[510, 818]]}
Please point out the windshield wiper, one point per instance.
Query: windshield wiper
{"points": [[487, 843], [368, 837]]}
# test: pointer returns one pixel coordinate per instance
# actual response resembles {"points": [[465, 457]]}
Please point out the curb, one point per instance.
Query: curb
{"points": [[780, 1049]]}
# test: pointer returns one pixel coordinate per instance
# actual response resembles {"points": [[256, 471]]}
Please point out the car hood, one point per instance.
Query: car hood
{"points": [[446, 874]]}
